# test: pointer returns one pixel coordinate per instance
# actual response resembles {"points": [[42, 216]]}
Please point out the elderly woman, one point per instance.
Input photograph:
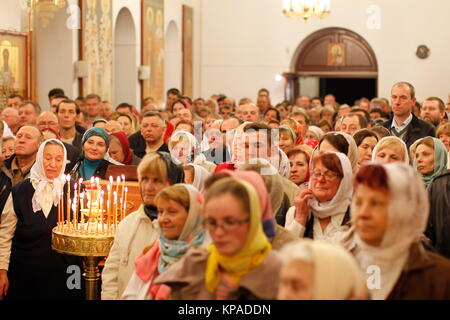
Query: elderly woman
{"points": [[29, 268], [390, 149], [184, 150], [322, 211], [343, 143], [239, 261], [95, 144], [119, 149], [139, 229], [429, 158], [366, 141], [180, 221], [319, 271], [314, 134], [390, 213]]}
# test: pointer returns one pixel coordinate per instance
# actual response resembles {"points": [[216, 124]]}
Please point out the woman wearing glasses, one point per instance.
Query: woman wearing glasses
{"points": [[322, 211], [240, 259], [180, 221]]}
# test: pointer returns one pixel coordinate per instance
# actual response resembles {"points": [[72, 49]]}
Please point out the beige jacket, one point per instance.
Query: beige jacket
{"points": [[133, 234], [186, 279]]}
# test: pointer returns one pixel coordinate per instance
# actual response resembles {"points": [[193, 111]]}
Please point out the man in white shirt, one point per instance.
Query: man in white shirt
{"points": [[404, 124]]}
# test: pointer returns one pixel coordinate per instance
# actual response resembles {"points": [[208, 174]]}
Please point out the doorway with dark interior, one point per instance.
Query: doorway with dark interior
{"points": [[348, 90]]}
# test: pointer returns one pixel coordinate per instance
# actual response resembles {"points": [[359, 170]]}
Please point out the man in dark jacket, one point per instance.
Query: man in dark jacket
{"points": [[438, 229], [405, 124], [151, 136]]}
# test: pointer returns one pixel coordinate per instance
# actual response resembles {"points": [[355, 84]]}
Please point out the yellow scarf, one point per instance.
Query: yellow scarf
{"points": [[254, 252]]}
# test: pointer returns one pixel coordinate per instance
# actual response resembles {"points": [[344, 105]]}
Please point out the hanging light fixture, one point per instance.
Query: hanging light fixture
{"points": [[305, 9], [44, 9]]}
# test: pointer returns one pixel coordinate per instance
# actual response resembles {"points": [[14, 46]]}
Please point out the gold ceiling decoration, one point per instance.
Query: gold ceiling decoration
{"points": [[305, 9]]}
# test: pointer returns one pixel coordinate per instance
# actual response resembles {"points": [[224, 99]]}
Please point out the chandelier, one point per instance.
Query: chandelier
{"points": [[44, 9], [306, 9]]}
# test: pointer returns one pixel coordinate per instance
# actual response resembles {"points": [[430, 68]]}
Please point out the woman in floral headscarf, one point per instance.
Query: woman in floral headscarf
{"points": [[180, 221]]}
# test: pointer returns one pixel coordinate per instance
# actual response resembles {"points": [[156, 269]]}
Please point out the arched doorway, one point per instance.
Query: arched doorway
{"points": [[333, 60], [173, 59], [125, 70]]}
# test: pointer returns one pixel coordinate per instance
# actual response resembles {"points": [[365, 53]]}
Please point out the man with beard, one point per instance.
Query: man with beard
{"points": [[433, 111]]}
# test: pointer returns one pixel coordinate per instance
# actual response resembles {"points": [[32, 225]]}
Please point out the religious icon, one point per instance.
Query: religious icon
{"points": [[336, 54], [153, 49], [188, 16], [14, 65]]}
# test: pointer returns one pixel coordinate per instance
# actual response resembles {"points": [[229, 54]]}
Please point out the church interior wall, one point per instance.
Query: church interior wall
{"points": [[247, 43]]}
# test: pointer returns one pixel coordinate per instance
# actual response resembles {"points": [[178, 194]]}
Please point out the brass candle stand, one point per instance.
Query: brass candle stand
{"points": [[91, 234]]}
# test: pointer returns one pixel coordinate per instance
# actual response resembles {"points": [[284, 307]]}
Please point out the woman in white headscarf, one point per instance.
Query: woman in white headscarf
{"points": [[184, 150], [390, 213], [390, 149], [29, 268], [333, 141], [322, 211], [314, 270], [196, 175]]}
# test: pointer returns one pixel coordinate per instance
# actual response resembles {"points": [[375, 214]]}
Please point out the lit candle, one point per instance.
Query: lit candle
{"points": [[109, 203], [59, 209], [68, 199], [90, 199], [125, 203], [75, 209], [75, 189], [123, 192], [101, 210], [115, 208]]}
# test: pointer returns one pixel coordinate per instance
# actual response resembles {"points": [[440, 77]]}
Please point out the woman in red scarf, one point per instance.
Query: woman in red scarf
{"points": [[119, 149]]}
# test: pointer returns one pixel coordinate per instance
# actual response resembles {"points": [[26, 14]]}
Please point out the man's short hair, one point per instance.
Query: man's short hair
{"points": [[412, 90], [125, 105], [93, 96], [68, 101], [263, 90], [58, 96], [36, 106], [55, 91], [362, 121], [174, 91], [299, 112], [154, 114], [439, 101], [15, 95], [259, 126]]}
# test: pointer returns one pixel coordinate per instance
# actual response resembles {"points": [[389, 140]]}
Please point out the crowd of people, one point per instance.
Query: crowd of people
{"points": [[239, 200]]}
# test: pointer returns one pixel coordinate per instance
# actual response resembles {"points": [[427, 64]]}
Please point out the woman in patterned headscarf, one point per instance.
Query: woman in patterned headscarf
{"points": [[180, 221]]}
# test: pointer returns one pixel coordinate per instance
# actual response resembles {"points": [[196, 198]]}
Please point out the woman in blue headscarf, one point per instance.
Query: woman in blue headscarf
{"points": [[92, 163]]}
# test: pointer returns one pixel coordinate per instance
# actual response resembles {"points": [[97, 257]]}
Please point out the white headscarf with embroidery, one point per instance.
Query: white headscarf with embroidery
{"points": [[47, 190]]}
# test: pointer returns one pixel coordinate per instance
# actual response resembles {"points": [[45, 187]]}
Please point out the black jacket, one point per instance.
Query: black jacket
{"points": [[5, 190], [438, 229], [418, 129], [138, 145]]}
